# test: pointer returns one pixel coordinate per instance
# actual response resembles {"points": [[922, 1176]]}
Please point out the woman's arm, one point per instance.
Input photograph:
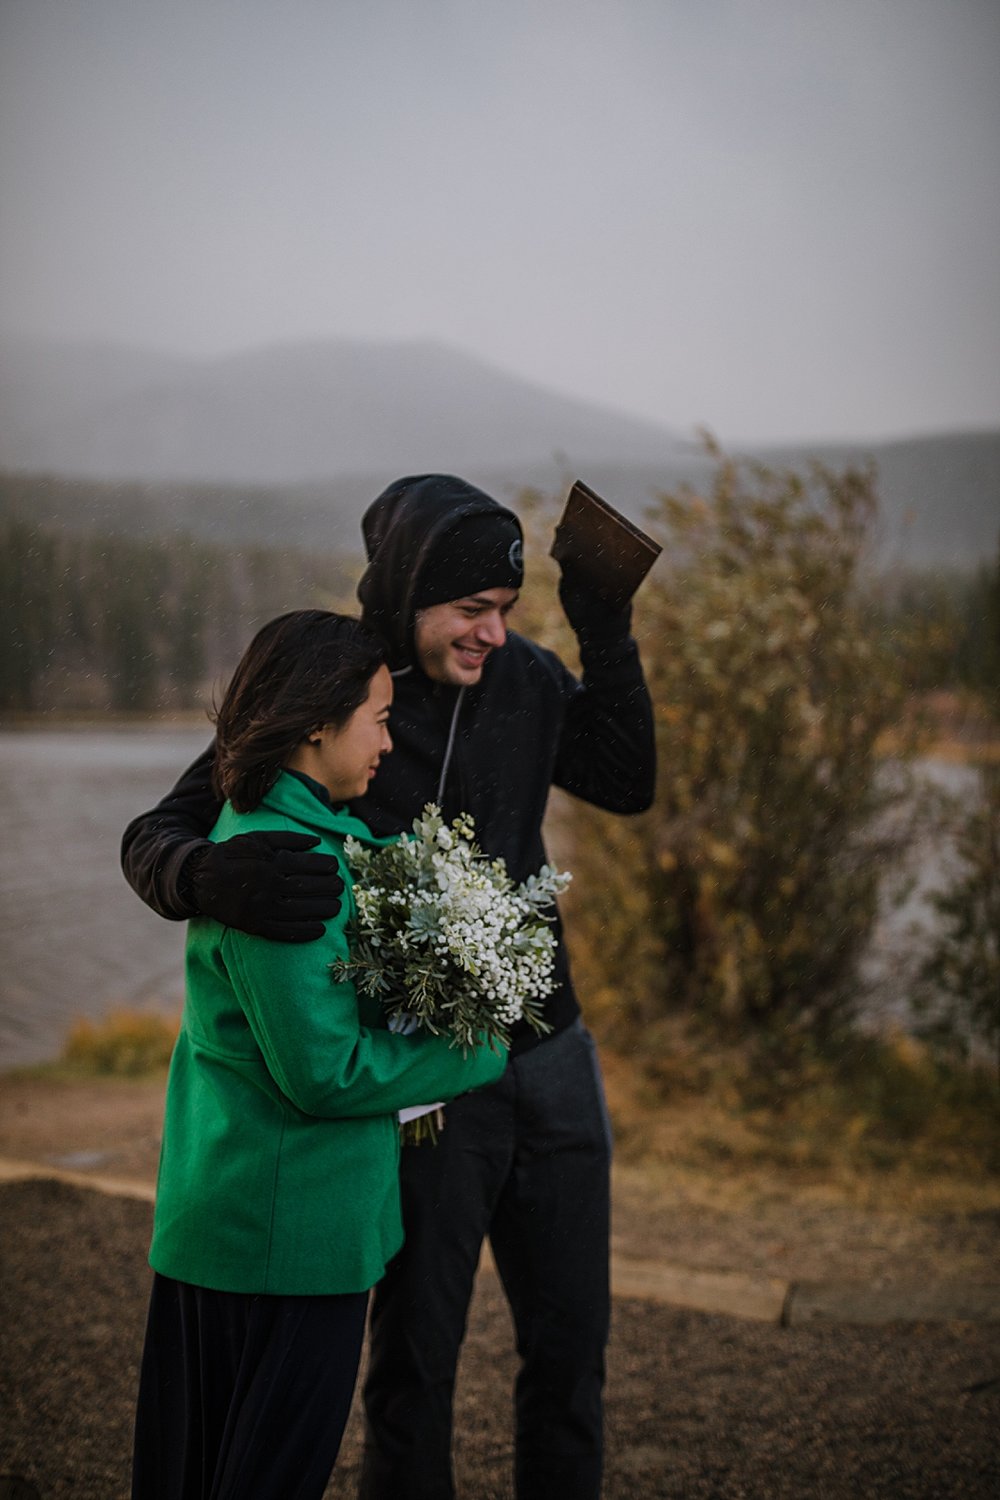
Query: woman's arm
{"points": [[317, 1051]]}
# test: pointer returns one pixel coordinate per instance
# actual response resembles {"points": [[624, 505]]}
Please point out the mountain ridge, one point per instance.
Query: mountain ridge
{"points": [[90, 433], [291, 413]]}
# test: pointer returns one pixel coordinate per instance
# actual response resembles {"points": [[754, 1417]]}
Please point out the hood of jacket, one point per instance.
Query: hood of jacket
{"points": [[401, 530]]}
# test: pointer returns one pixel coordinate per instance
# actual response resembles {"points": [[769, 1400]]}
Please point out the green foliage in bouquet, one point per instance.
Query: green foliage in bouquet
{"points": [[445, 939]]}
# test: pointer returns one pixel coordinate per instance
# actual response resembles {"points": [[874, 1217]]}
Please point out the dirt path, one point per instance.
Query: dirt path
{"points": [[699, 1407]]}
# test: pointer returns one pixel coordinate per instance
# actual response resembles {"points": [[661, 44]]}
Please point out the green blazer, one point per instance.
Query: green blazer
{"points": [[280, 1156]]}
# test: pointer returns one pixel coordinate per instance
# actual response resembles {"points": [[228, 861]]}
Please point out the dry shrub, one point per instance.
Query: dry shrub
{"points": [[125, 1044], [744, 899], [875, 1109]]}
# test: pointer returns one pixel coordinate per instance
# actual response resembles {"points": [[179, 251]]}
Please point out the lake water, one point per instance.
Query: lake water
{"points": [[74, 939]]}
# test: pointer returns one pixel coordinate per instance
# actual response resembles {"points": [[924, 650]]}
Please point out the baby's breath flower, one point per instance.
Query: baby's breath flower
{"points": [[444, 937]]}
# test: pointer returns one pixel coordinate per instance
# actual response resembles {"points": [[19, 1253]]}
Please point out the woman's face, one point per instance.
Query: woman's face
{"points": [[345, 759]]}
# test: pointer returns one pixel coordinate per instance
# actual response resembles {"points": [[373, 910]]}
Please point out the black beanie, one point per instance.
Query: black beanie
{"points": [[479, 552]]}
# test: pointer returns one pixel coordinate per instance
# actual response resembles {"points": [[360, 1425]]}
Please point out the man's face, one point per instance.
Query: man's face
{"points": [[453, 640]]}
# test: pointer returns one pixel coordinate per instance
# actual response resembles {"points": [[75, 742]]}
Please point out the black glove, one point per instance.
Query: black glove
{"points": [[267, 884], [591, 617]]}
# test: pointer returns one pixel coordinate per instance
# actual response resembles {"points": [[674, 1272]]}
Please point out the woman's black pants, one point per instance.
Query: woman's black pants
{"points": [[243, 1397], [525, 1161]]}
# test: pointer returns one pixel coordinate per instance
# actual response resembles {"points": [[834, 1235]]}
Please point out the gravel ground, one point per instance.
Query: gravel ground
{"points": [[698, 1406]]}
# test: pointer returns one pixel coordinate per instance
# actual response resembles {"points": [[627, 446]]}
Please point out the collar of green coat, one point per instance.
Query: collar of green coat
{"points": [[291, 798]]}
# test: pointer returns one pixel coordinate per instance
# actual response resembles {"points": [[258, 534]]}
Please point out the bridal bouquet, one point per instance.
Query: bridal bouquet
{"points": [[445, 939]]}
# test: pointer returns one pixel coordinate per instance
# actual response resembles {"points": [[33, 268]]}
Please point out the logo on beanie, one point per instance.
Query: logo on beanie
{"points": [[515, 555]]}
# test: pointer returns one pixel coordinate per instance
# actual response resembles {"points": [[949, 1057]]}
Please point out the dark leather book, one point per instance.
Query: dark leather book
{"points": [[611, 553]]}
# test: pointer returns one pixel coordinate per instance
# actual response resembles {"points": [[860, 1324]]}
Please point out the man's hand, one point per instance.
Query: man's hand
{"points": [[590, 616], [267, 884]]}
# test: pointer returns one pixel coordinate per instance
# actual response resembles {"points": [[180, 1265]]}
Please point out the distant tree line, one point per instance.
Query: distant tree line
{"points": [[92, 623]]}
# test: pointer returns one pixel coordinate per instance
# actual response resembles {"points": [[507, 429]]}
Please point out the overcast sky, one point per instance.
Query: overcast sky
{"points": [[778, 218]]}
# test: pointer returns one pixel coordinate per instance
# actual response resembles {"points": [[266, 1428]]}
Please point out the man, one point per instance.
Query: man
{"points": [[484, 721]]}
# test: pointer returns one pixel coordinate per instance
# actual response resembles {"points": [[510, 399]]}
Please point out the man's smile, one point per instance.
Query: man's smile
{"points": [[472, 656]]}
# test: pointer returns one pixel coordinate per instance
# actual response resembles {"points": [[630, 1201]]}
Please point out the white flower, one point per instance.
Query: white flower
{"points": [[445, 938]]}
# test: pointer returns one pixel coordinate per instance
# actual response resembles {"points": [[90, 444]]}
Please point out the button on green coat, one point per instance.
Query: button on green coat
{"points": [[279, 1165]]}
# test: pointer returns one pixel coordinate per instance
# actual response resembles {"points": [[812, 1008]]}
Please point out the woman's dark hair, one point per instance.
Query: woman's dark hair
{"points": [[300, 671]]}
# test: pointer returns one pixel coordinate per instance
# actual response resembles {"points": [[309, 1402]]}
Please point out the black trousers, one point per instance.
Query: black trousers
{"points": [[243, 1397], [525, 1161]]}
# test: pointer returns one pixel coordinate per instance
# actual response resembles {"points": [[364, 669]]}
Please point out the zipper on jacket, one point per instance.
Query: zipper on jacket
{"points": [[453, 726], [449, 747]]}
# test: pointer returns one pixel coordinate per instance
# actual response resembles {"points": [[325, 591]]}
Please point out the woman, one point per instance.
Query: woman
{"points": [[277, 1201]]}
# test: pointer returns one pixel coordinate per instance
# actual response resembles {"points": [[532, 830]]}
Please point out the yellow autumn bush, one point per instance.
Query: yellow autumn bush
{"points": [[744, 898], [125, 1043]]}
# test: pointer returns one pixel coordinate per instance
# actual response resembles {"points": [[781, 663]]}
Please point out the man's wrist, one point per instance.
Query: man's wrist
{"points": [[592, 619], [604, 629], [613, 660]]}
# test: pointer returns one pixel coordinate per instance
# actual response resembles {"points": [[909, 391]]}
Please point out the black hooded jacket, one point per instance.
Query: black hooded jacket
{"points": [[493, 749]]}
